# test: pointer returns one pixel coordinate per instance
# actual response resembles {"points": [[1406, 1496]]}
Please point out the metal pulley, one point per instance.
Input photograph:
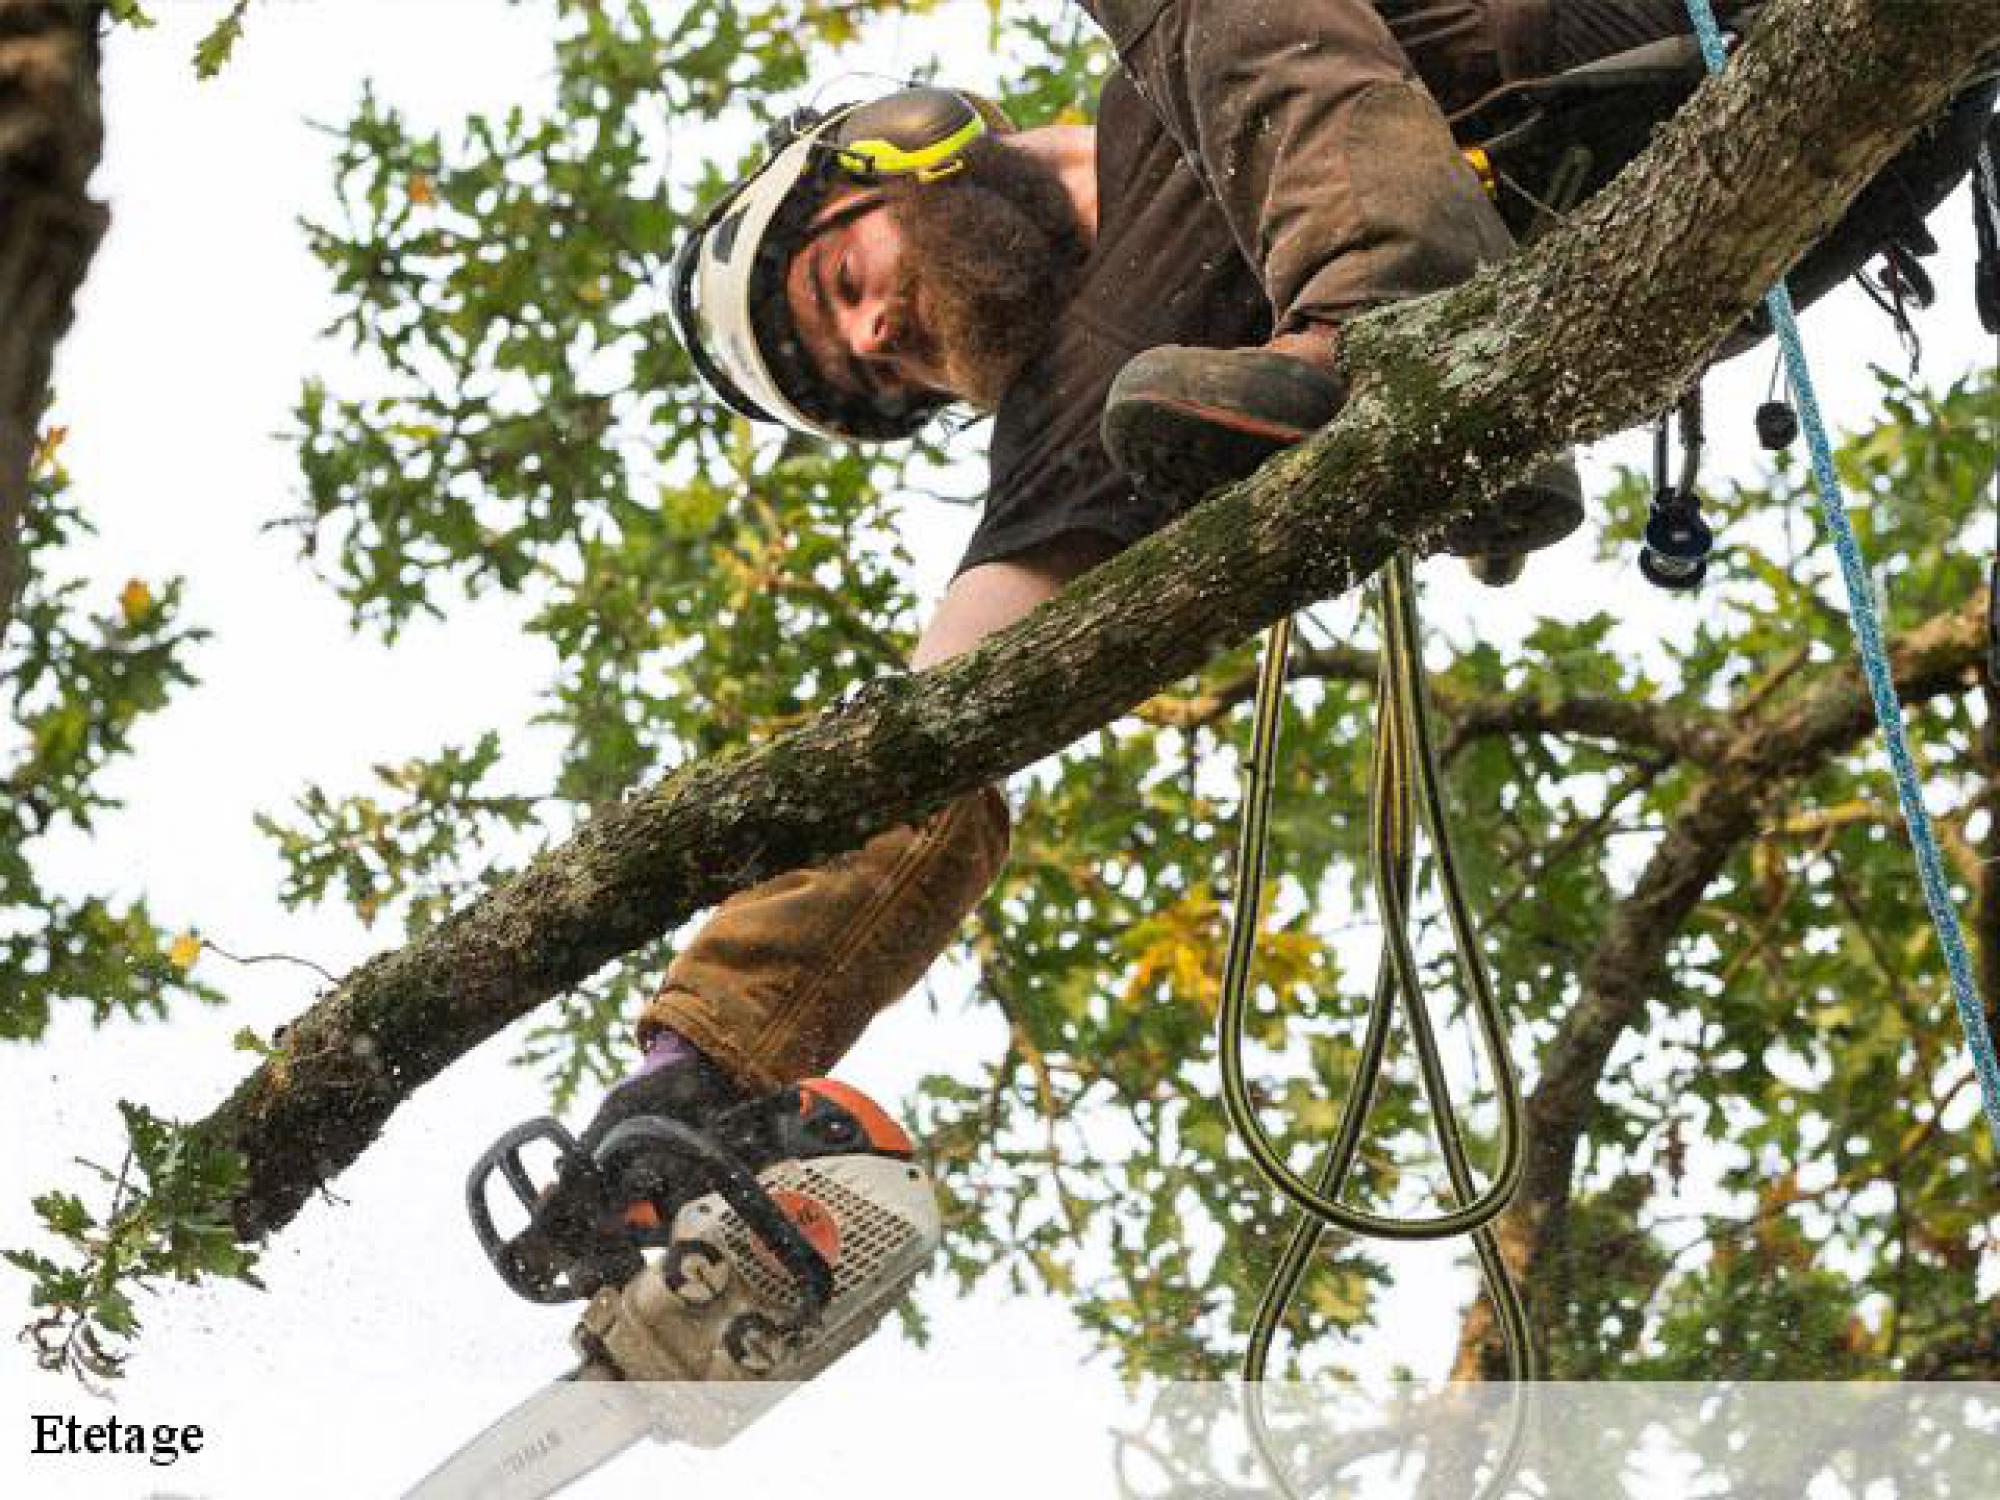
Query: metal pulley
{"points": [[1678, 541]]}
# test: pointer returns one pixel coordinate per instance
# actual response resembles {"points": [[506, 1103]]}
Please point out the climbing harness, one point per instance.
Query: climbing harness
{"points": [[1541, 146], [1677, 543], [1404, 782], [1874, 656]]}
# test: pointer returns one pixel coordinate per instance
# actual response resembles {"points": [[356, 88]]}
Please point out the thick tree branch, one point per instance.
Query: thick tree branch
{"points": [[50, 137], [1203, 710], [1595, 329], [1682, 730], [1768, 754], [1973, 1354]]}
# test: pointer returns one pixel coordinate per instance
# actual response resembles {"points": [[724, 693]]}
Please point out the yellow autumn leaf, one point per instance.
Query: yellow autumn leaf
{"points": [[1176, 947], [185, 950], [835, 27], [136, 600], [46, 450]]}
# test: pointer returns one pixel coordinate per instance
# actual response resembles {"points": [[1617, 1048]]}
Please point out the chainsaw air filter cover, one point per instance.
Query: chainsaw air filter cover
{"points": [[718, 1306]]}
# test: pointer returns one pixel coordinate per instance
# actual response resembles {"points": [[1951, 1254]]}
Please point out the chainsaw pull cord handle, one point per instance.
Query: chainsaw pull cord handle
{"points": [[741, 1190]]}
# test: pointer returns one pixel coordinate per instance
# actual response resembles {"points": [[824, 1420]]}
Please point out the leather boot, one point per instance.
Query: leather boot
{"points": [[1182, 422]]}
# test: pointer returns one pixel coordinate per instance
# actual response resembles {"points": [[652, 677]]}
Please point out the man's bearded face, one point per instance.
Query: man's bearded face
{"points": [[947, 287]]}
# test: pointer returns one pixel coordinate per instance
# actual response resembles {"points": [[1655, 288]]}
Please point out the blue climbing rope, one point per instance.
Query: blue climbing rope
{"points": [[1874, 659]]}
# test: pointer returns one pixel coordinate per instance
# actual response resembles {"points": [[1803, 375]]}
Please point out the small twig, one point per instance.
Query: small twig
{"points": [[268, 958], [1579, 834], [1762, 692]]}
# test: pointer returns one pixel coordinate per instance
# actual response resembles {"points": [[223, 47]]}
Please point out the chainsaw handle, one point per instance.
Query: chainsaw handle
{"points": [[740, 1189], [510, 1255]]}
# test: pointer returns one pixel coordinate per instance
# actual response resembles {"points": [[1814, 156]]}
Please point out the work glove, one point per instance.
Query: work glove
{"points": [[675, 1080]]}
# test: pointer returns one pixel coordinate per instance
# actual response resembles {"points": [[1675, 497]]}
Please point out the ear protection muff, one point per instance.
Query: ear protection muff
{"points": [[920, 133], [725, 289]]}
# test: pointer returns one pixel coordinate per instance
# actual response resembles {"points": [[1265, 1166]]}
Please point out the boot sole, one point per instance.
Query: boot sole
{"points": [[1177, 452], [1182, 423]]}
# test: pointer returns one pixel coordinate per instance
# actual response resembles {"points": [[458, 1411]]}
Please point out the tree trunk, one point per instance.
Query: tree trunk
{"points": [[51, 133], [1594, 330]]}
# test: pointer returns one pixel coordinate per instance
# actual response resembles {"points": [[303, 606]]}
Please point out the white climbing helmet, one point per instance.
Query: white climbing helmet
{"points": [[728, 296]]}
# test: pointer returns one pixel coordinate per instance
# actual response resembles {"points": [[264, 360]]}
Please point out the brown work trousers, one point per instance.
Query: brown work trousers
{"points": [[1316, 126]]}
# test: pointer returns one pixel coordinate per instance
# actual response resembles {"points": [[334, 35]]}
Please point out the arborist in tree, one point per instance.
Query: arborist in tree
{"points": [[1149, 308]]}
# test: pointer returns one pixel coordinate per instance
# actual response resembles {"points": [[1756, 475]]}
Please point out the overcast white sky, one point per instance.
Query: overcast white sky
{"points": [[384, 1339]]}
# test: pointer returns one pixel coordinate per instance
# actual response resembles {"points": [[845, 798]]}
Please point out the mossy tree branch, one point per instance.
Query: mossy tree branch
{"points": [[1598, 327]]}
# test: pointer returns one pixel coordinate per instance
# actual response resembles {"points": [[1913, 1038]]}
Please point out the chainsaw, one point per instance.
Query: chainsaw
{"points": [[720, 1263]]}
